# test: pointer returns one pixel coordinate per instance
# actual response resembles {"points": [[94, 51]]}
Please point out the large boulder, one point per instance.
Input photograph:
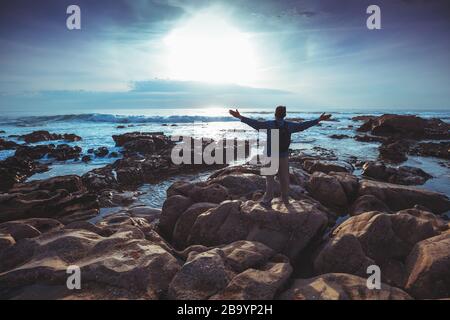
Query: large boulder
{"points": [[405, 175], [336, 189], [244, 270], [376, 238], [340, 286], [122, 265], [287, 230], [398, 197], [428, 268], [367, 203]]}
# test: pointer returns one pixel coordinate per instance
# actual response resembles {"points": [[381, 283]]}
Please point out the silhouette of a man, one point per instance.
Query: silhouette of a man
{"points": [[286, 128]]}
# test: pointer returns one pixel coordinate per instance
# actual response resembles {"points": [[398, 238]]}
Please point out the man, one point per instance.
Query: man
{"points": [[286, 128]]}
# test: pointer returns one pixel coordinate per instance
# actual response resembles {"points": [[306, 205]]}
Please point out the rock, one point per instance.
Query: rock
{"points": [[336, 189], [368, 203], [7, 145], [29, 228], [398, 197], [241, 270], [375, 238], [401, 175], [172, 209], [64, 152], [143, 142], [407, 126], [113, 154], [100, 179], [363, 118], [327, 166], [339, 136], [42, 135], [63, 198], [16, 169], [428, 268], [123, 265], [185, 222], [86, 158], [199, 192], [432, 149], [393, 151], [254, 284], [101, 152], [340, 286], [34, 152], [369, 138], [285, 230]]}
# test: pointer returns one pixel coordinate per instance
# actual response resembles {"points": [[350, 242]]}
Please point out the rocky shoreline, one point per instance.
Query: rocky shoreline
{"points": [[212, 239]]}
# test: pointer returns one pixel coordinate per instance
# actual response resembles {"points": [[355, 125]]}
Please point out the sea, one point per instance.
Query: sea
{"points": [[97, 128]]}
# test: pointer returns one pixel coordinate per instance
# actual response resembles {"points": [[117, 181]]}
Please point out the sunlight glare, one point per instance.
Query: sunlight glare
{"points": [[209, 49]]}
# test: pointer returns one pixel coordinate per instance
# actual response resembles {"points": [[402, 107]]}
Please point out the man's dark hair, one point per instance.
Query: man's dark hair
{"points": [[280, 112]]}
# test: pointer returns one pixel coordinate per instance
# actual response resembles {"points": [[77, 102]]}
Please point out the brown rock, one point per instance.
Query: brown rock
{"points": [[340, 286], [398, 197], [428, 268]]}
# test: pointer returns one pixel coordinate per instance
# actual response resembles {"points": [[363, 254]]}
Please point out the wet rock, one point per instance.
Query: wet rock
{"points": [[432, 149], [398, 197], [123, 265], [241, 270], [7, 145], [369, 138], [393, 151], [339, 136], [34, 152], [64, 152], [86, 158], [101, 152], [340, 286], [363, 118], [17, 169], [142, 142], [428, 268], [407, 126], [405, 175], [42, 135]]}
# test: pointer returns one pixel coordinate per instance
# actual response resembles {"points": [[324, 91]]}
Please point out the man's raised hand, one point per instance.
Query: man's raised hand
{"points": [[324, 116], [235, 113]]}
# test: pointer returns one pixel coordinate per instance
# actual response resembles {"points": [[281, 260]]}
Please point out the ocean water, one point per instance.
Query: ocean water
{"points": [[96, 130]]}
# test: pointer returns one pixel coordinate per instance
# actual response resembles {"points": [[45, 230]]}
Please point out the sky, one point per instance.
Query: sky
{"points": [[306, 54]]}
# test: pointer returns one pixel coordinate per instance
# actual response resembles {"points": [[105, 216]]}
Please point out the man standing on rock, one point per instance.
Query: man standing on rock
{"points": [[286, 128]]}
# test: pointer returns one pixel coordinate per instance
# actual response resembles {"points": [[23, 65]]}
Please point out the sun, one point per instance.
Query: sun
{"points": [[209, 49]]}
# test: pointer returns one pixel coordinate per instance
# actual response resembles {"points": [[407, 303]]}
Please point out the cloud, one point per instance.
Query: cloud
{"points": [[143, 94]]}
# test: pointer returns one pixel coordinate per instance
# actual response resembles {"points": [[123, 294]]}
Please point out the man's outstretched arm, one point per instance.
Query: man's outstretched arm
{"points": [[300, 126], [255, 124]]}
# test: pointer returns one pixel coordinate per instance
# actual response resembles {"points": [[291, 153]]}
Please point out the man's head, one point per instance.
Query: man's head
{"points": [[280, 112]]}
